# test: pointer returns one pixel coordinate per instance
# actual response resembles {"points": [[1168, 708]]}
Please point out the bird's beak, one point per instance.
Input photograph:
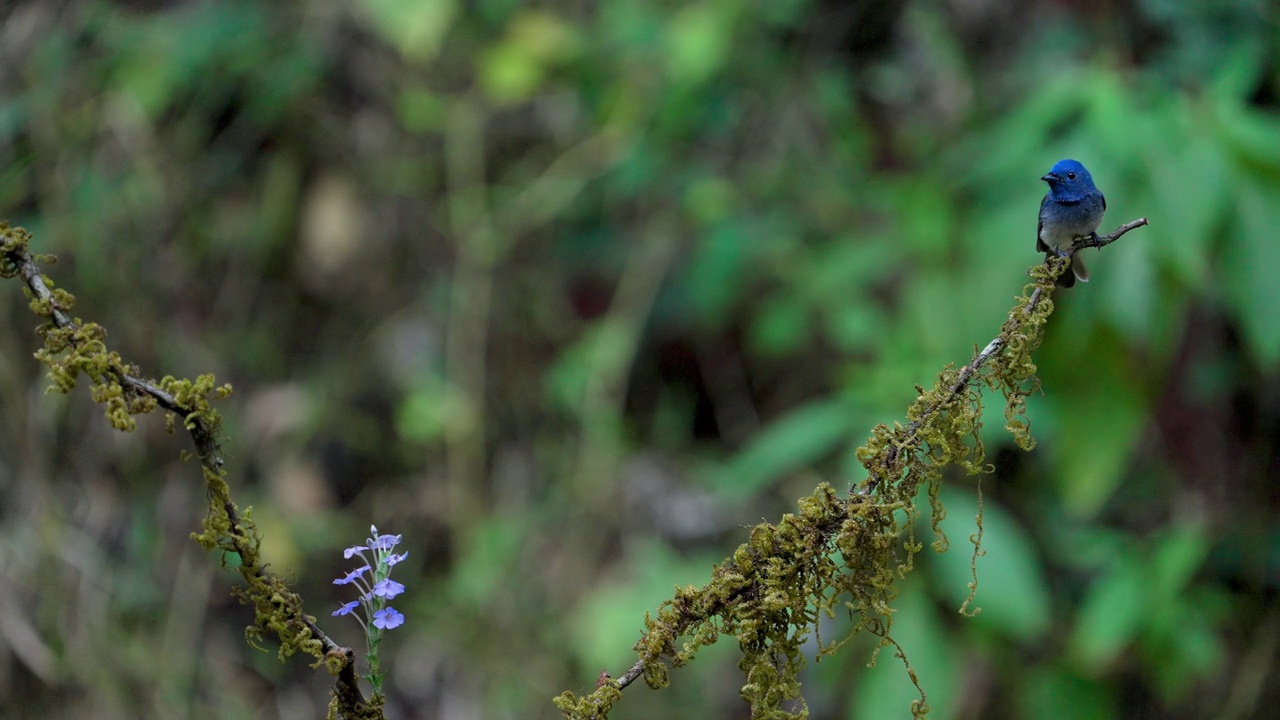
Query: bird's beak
{"points": [[1051, 177]]}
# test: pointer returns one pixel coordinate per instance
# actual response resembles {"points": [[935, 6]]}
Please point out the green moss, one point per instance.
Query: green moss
{"points": [[196, 397], [372, 710], [13, 241], [590, 707], [277, 609]]}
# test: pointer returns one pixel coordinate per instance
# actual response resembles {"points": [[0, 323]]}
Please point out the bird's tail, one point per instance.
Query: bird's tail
{"points": [[1077, 271]]}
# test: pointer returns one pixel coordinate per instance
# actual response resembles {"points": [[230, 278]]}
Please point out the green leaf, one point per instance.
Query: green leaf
{"points": [[854, 326], [415, 28], [1178, 555], [513, 70], [509, 74], [603, 348], [838, 270], [927, 216], [1058, 694], [715, 274], [1254, 135], [699, 38], [710, 199], [1185, 225], [1126, 282], [1111, 615], [1250, 261], [433, 409], [781, 325], [788, 443], [1103, 409], [632, 26], [1183, 645], [421, 110], [487, 551]]}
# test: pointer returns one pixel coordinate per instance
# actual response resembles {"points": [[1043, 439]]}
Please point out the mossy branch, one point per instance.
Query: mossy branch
{"points": [[74, 348], [847, 552]]}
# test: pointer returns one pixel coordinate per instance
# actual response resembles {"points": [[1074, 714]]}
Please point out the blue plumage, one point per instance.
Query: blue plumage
{"points": [[1072, 210]]}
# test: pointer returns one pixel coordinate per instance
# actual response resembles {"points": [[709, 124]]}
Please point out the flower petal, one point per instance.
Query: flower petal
{"points": [[388, 618], [384, 542], [346, 609], [351, 576], [387, 588]]}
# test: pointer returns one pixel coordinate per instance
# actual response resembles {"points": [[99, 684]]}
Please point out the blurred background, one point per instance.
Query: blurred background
{"points": [[571, 294]]}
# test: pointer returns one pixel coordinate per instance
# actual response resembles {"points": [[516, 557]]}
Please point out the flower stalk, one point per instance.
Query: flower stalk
{"points": [[373, 580]]}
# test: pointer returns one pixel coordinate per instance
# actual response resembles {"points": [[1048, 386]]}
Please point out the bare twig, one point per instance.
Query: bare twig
{"points": [[631, 674], [1101, 241]]}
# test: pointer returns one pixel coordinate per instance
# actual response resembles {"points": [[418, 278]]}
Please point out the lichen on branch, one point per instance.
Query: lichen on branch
{"points": [[73, 349]]}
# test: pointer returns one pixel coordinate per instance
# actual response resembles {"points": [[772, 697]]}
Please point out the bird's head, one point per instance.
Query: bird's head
{"points": [[1068, 180]]}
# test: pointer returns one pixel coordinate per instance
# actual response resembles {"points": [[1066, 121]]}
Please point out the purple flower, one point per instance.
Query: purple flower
{"points": [[381, 542], [351, 576], [388, 618], [387, 588], [346, 609], [372, 580]]}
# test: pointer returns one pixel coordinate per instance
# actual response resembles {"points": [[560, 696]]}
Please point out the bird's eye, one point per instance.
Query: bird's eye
{"points": [[1071, 176]]}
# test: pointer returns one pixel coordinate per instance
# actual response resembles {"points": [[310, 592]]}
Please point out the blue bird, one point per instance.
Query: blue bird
{"points": [[1071, 211]]}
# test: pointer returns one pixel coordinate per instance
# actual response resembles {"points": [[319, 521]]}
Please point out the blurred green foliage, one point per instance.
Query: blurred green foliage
{"points": [[571, 293]]}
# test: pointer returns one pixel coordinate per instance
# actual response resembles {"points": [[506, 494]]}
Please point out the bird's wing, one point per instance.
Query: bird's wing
{"points": [[1040, 246]]}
